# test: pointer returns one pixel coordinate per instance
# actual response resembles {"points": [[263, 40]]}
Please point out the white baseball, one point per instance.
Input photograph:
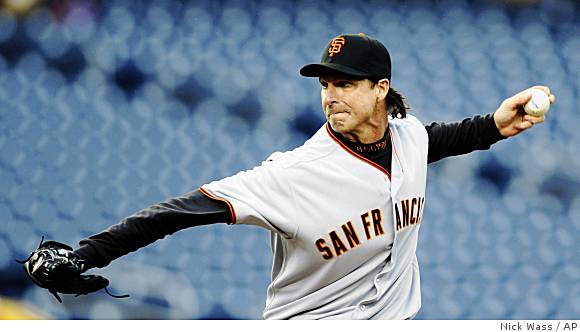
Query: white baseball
{"points": [[539, 104]]}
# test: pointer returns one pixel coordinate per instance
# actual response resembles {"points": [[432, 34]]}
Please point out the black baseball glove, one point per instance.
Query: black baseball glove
{"points": [[56, 267]]}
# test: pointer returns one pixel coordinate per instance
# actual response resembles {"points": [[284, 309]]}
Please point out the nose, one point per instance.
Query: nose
{"points": [[330, 94]]}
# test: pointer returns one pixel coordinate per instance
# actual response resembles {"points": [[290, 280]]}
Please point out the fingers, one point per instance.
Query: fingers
{"points": [[534, 119], [523, 125], [529, 121], [524, 97], [517, 101], [541, 87], [547, 91]]}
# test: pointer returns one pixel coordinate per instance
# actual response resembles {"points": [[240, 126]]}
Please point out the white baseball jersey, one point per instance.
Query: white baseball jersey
{"points": [[343, 230]]}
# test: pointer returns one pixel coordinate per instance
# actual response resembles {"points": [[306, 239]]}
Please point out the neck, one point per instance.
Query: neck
{"points": [[368, 149], [368, 135]]}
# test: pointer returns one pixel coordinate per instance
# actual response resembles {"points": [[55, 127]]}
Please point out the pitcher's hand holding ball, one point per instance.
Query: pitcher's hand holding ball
{"points": [[511, 117]]}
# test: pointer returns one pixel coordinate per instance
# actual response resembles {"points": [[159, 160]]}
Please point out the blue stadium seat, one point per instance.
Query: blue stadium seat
{"points": [[216, 90], [5, 254], [8, 25], [242, 302], [568, 307]]}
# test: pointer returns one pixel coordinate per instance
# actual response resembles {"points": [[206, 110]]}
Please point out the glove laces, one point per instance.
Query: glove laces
{"points": [[54, 292]]}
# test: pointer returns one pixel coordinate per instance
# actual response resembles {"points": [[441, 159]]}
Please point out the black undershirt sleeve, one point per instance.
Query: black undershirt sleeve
{"points": [[150, 225], [457, 138], [196, 209]]}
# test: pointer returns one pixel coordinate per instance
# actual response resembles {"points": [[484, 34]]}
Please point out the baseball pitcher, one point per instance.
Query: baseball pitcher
{"points": [[343, 210]]}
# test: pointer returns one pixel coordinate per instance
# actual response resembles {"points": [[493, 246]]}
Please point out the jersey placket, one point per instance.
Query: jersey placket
{"points": [[394, 179]]}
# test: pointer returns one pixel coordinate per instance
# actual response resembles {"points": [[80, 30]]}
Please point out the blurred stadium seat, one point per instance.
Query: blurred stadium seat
{"points": [[106, 108]]}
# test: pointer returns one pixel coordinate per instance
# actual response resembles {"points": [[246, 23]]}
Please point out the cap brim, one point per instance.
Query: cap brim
{"points": [[319, 69]]}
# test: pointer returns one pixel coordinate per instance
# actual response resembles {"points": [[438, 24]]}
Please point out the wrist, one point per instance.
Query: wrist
{"points": [[495, 126], [84, 261]]}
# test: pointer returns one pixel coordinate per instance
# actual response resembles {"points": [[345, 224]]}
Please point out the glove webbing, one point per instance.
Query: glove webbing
{"points": [[54, 292]]}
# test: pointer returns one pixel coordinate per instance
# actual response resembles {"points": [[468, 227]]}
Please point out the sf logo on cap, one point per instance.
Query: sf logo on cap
{"points": [[336, 46]]}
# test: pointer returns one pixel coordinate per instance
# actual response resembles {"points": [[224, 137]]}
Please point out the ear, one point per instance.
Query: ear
{"points": [[382, 88]]}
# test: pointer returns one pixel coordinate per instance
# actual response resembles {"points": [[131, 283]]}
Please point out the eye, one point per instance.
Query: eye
{"points": [[324, 84], [344, 84]]}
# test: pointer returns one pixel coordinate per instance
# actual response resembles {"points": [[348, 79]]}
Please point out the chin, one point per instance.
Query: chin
{"points": [[338, 126]]}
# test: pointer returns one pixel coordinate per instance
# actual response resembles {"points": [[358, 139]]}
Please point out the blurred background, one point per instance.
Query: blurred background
{"points": [[107, 107]]}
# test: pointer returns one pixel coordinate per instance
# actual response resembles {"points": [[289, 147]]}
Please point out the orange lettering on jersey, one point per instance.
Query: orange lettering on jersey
{"points": [[351, 235], [413, 204], [411, 212], [336, 46], [405, 208], [420, 202], [322, 247], [377, 222], [339, 247], [398, 217], [336, 243], [366, 224]]}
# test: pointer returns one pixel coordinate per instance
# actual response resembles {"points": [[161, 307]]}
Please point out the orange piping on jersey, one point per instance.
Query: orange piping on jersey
{"points": [[232, 211], [356, 155], [396, 153]]}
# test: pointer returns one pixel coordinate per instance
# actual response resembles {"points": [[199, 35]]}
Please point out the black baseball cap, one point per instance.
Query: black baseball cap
{"points": [[353, 54]]}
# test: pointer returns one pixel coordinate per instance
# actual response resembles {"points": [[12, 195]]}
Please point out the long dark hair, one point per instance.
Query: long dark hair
{"points": [[397, 106]]}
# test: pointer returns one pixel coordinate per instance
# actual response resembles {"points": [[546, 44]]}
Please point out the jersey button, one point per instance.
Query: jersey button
{"points": [[362, 307]]}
